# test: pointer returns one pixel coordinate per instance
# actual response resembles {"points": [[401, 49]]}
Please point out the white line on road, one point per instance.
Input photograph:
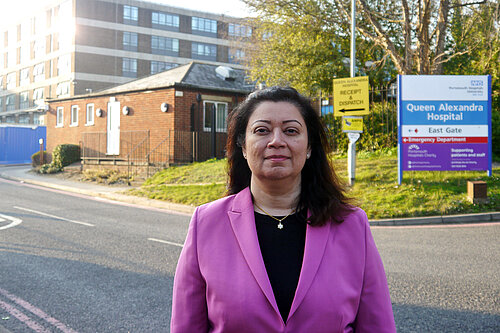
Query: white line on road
{"points": [[33, 309], [15, 221], [165, 242], [53, 216]]}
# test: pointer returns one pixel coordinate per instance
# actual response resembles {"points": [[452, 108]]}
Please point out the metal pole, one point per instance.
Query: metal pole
{"points": [[351, 152], [353, 38]]}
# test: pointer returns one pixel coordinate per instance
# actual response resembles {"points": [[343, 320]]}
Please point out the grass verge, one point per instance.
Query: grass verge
{"points": [[422, 193]]}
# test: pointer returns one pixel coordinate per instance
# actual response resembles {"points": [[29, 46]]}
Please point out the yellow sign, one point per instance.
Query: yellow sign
{"points": [[352, 124], [350, 96]]}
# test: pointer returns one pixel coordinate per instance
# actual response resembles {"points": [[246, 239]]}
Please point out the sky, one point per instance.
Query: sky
{"points": [[11, 10]]}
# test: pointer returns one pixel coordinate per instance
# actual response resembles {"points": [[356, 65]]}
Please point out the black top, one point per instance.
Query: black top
{"points": [[282, 251]]}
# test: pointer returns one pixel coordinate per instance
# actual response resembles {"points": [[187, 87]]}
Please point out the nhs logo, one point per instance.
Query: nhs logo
{"points": [[476, 83]]}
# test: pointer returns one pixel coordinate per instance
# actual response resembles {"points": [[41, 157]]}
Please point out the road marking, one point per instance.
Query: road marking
{"points": [[33, 309], [23, 318], [165, 242], [15, 221], [53, 216]]}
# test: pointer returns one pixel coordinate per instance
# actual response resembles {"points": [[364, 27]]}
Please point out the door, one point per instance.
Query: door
{"points": [[113, 129]]}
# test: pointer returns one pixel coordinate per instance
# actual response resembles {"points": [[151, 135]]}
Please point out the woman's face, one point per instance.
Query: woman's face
{"points": [[276, 144]]}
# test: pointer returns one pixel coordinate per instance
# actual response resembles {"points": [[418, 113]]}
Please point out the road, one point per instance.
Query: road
{"points": [[77, 264]]}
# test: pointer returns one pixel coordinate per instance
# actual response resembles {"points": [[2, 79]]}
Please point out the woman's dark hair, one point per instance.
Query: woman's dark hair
{"points": [[322, 193]]}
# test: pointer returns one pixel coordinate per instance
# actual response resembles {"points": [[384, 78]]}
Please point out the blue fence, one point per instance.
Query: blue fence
{"points": [[18, 143]]}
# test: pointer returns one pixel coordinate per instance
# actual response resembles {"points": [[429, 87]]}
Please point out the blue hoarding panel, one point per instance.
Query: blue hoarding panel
{"points": [[18, 143]]}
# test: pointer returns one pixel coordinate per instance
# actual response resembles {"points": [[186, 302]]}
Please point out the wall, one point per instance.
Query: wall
{"points": [[18, 143]]}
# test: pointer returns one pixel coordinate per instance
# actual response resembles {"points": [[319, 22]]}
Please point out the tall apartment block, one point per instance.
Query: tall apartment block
{"points": [[75, 47]]}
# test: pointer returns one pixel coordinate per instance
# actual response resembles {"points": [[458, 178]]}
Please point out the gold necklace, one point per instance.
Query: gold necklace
{"points": [[280, 225]]}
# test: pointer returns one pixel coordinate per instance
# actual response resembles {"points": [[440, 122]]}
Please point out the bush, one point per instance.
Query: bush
{"points": [[35, 158], [65, 154], [49, 168]]}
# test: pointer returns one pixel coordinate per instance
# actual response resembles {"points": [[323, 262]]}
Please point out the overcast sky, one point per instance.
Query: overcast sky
{"points": [[11, 10]]}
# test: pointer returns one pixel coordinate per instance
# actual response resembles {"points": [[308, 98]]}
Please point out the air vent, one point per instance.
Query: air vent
{"points": [[226, 73]]}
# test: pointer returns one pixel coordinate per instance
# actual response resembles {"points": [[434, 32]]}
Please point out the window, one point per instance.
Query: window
{"points": [[10, 102], [11, 80], [59, 117], [1, 103], [25, 54], [130, 14], [203, 25], [239, 30], [129, 67], [24, 77], [62, 89], [1, 81], [64, 64], [89, 118], [164, 20], [74, 115], [236, 56], [37, 119], [164, 45], [11, 58], [220, 110], [38, 94], [203, 51], [24, 100], [129, 41], [39, 48], [24, 119], [160, 66], [39, 72]]}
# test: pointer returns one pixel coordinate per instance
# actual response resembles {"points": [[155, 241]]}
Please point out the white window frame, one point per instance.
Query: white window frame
{"points": [[60, 116], [64, 64], [11, 80], [24, 100], [166, 44], [62, 89], [129, 65], [130, 41], [166, 19], [203, 25], [205, 49], [89, 118], [39, 72], [10, 102], [219, 128], [39, 48], [24, 77], [74, 116], [36, 94], [239, 30], [130, 13]]}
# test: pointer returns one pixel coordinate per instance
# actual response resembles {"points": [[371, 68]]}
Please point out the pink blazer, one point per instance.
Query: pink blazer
{"points": [[221, 284]]}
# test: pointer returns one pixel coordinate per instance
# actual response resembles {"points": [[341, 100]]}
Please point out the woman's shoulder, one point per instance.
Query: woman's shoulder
{"points": [[353, 216], [234, 202]]}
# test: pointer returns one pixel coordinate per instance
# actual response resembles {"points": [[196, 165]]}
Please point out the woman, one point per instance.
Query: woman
{"points": [[284, 251]]}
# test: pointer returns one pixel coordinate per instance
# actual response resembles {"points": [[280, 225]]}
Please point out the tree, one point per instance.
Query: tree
{"points": [[300, 43], [412, 34]]}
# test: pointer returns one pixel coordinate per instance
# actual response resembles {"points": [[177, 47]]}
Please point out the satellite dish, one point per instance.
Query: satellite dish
{"points": [[164, 107]]}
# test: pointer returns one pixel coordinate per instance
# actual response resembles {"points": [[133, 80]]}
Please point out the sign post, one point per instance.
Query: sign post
{"points": [[444, 123], [351, 100]]}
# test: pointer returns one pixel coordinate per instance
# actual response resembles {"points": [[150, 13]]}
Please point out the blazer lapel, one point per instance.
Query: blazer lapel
{"points": [[316, 239], [243, 224]]}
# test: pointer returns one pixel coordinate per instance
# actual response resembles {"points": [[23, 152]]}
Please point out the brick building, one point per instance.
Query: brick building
{"points": [[73, 47], [177, 116]]}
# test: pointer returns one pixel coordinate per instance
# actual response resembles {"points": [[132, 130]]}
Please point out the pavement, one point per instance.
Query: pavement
{"points": [[23, 173]]}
